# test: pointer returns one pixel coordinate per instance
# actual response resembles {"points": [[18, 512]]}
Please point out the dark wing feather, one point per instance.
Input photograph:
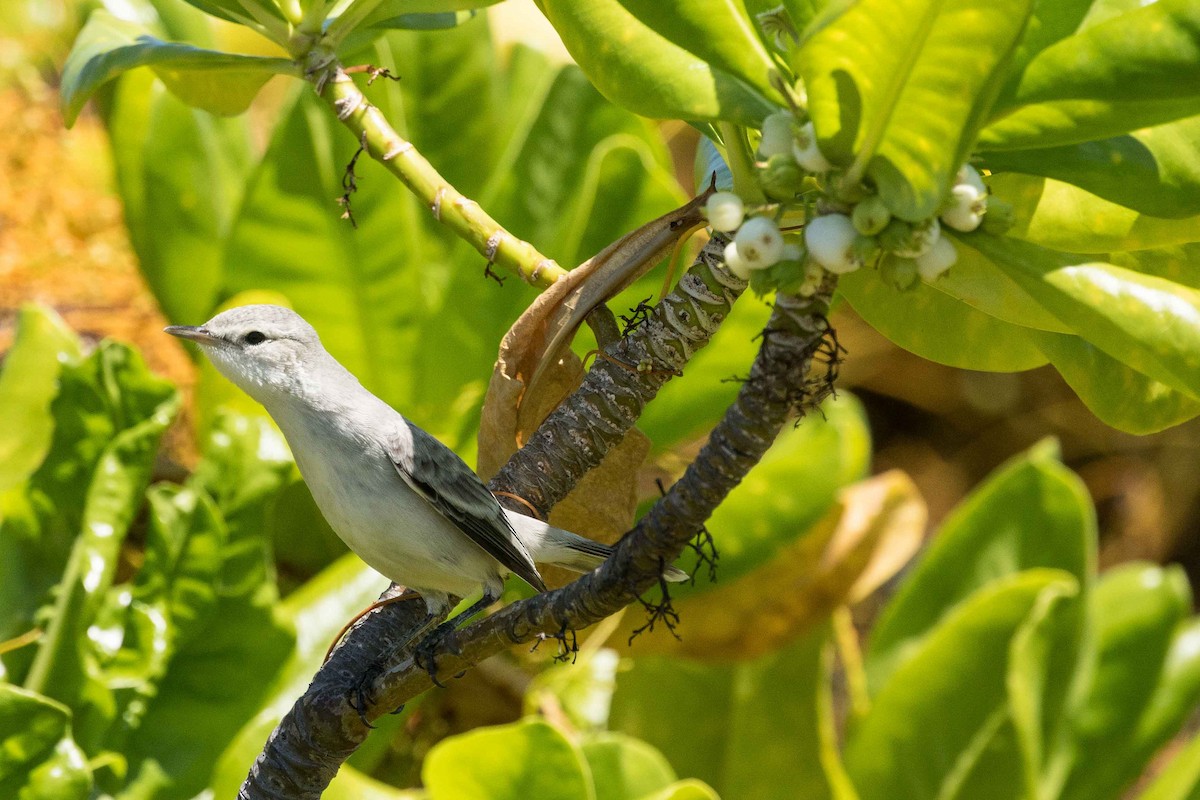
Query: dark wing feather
{"points": [[448, 484]]}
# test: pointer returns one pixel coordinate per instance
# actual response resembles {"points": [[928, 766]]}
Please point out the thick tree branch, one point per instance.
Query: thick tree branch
{"points": [[303, 753]]}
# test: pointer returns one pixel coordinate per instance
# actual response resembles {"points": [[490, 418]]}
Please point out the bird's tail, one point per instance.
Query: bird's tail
{"points": [[550, 545]]}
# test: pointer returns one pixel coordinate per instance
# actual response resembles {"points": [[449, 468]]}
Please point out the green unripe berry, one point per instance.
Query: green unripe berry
{"points": [[1000, 217], [781, 177], [871, 216], [865, 250]]}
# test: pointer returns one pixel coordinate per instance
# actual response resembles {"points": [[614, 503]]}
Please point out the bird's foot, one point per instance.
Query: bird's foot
{"points": [[362, 695], [425, 653]]}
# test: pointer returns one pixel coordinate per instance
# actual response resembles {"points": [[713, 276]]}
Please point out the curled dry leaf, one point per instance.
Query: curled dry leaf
{"points": [[535, 371], [866, 537]]}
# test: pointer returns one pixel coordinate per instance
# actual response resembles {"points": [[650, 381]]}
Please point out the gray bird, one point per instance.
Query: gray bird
{"points": [[399, 498]]}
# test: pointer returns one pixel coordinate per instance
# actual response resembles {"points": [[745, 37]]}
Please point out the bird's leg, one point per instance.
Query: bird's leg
{"points": [[425, 652], [405, 594], [360, 697]]}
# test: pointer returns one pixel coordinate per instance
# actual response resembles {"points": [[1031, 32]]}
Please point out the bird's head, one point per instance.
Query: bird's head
{"points": [[268, 351]]}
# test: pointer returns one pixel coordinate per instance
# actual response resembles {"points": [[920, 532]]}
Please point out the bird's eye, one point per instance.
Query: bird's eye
{"points": [[254, 337]]}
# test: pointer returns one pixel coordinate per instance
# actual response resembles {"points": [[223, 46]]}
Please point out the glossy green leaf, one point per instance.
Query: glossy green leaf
{"points": [[977, 281], [897, 91], [124, 410], [684, 790], [718, 31], [1180, 780], [1150, 323], [1032, 512], [508, 762], [928, 322], [316, 612], [907, 745], [426, 22], [1132, 71], [180, 173], [1064, 217], [1154, 171], [623, 767], [108, 46], [38, 758], [209, 567], [747, 743], [637, 68], [235, 10], [1049, 22], [389, 9], [1116, 393], [1138, 610], [28, 383]]}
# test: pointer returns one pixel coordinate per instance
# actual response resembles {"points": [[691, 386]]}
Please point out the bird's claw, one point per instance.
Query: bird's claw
{"points": [[361, 696]]}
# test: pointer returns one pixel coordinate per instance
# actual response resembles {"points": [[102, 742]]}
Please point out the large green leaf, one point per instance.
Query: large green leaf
{"points": [[928, 322], [110, 415], [108, 46], [509, 762], [623, 767], [38, 758], [908, 745], [977, 281], [1154, 171], [639, 69], [1032, 512], [1116, 393], [1146, 682], [718, 31], [181, 174], [746, 743], [28, 383], [1060, 216], [1150, 323], [1132, 71], [899, 89]]}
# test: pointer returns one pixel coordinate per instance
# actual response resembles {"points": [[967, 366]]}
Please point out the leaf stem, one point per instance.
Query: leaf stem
{"points": [[461, 214]]}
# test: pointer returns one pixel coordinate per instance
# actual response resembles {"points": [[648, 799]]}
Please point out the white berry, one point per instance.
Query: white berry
{"points": [[966, 208], [735, 263], [776, 134], [725, 211], [806, 152], [940, 258], [969, 176], [760, 244], [830, 241]]}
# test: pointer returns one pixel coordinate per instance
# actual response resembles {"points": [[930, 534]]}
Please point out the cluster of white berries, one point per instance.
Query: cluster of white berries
{"points": [[758, 243], [852, 234], [844, 242]]}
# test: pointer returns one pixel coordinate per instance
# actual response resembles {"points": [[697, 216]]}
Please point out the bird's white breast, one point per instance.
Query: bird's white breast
{"points": [[377, 514]]}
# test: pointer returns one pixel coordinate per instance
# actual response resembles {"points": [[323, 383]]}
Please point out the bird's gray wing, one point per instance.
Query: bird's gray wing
{"points": [[436, 473]]}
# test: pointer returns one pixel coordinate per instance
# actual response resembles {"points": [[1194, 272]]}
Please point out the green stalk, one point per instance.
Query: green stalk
{"points": [[459, 213]]}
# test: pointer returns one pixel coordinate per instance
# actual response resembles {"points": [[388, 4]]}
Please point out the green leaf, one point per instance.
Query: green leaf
{"points": [[637, 68], [1180, 780], [1031, 513], [907, 745], [684, 790], [1117, 394], [746, 743], [1147, 677], [28, 383], [426, 22], [897, 91], [1064, 217], [938, 327], [108, 46], [718, 31], [181, 174], [977, 281], [235, 11], [507, 762], [38, 758], [624, 767], [1132, 71], [1154, 171], [119, 411], [1150, 323]]}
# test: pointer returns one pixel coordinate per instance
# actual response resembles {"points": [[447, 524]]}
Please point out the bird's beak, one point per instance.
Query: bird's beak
{"points": [[193, 332]]}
